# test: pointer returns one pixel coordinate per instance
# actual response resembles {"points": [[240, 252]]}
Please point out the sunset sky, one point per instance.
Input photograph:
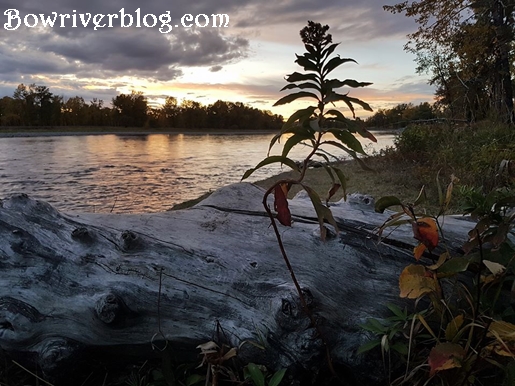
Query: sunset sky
{"points": [[246, 61]]}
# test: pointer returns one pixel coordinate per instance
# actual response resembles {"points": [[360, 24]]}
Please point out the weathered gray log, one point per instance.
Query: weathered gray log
{"points": [[77, 284]]}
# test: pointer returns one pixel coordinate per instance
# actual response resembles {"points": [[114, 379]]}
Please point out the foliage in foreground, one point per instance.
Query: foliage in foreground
{"points": [[461, 328], [474, 153]]}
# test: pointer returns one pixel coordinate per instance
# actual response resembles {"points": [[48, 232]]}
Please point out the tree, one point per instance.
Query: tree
{"points": [[36, 105], [130, 110], [169, 112], [465, 44], [9, 116], [193, 114], [74, 112]]}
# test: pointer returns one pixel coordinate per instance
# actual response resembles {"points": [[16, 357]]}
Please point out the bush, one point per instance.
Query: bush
{"points": [[472, 153]]}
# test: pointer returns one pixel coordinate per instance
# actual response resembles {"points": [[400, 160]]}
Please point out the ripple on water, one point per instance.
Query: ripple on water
{"points": [[97, 173]]}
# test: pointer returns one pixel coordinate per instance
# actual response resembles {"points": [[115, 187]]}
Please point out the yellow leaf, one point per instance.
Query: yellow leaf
{"points": [[416, 281], [502, 330], [502, 349], [230, 354]]}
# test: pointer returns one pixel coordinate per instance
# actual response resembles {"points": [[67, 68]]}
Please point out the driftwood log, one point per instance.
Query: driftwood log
{"points": [[75, 286]]}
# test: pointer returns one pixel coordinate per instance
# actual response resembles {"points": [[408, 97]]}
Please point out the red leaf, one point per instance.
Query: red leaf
{"points": [[332, 191], [426, 231], [281, 204], [445, 356]]}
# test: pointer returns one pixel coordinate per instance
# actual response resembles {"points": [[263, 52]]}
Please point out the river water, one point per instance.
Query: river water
{"points": [[134, 173]]}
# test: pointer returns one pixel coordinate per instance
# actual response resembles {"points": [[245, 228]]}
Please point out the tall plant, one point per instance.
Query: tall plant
{"points": [[312, 126]]}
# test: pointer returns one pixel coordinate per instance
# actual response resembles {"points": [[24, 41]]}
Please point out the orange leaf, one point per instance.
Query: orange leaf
{"points": [[281, 204], [418, 251], [426, 231], [445, 356]]}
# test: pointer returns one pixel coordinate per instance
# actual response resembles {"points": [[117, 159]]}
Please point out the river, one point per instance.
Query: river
{"points": [[134, 173]]}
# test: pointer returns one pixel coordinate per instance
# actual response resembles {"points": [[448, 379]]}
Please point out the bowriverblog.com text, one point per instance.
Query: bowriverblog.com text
{"points": [[111, 20]]}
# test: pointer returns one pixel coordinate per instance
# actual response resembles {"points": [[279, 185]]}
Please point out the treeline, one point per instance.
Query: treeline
{"points": [[401, 115], [35, 105]]}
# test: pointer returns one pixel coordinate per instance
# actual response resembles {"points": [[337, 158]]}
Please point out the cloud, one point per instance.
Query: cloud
{"points": [[363, 20], [107, 61]]}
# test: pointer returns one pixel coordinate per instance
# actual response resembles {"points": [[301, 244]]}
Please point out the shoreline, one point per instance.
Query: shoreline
{"points": [[45, 132]]}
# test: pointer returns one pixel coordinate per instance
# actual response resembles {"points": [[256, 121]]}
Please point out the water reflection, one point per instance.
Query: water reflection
{"points": [[131, 173]]}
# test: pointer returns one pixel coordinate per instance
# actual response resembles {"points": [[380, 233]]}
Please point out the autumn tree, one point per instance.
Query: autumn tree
{"points": [[467, 47]]}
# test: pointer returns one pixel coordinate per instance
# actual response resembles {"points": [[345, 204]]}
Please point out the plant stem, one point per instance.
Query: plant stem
{"points": [[292, 273]]}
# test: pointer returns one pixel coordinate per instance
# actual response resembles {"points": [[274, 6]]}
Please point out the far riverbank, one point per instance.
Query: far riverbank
{"points": [[7, 132]]}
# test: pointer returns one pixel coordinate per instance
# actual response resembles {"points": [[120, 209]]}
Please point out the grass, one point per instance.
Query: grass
{"points": [[471, 153], [390, 177], [386, 179]]}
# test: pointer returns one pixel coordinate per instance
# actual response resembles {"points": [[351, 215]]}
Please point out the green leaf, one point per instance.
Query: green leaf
{"points": [[509, 374], [334, 97], [337, 114], [322, 211], [277, 378], [348, 139], [355, 84], [336, 83], [399, 347], [352, 153], [256, 375], [306, 63], [310, 48], [294, 140], [329, 50], [302, 86], [298, 77], [299, 115], [343, 180], [357, 101], [335, 62], [330, 172], [270, 160], [453, 266], [397, 311], [368, 346], [193, 379], [439, 189], [324, 156], [386, 202], [290, 98], [375, 326]]}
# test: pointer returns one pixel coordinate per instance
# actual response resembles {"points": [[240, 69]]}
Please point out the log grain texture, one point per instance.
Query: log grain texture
{"points": [[80, 285]]}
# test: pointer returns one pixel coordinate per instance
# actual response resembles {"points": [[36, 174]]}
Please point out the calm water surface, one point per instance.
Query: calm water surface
{"points": [[132, 173]]}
